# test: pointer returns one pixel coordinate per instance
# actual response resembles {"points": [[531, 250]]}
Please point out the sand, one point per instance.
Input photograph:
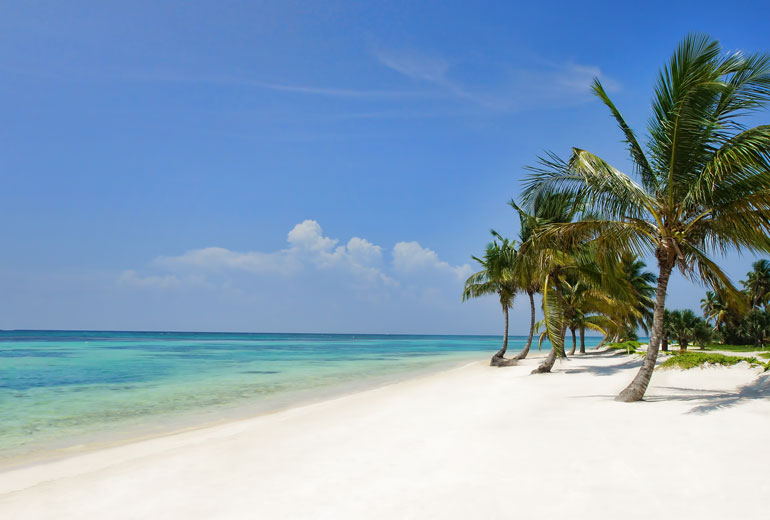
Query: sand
{"points": [[472, 442]]}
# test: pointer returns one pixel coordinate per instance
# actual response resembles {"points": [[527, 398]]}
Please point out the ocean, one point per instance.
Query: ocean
{"points": [[62, 391]]}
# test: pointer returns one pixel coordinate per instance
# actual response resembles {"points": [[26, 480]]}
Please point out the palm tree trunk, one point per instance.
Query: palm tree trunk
{"points": [[682, 345], [574, 342], [524, 352], [550, 359], [635, 391], [664, 343], [498, 357], [582, 340]]}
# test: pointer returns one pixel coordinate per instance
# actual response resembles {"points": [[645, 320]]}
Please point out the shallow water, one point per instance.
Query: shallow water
{"points": [[58, 388]]}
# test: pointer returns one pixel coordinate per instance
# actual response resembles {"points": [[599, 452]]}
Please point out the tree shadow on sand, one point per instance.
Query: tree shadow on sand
{"points": [[714, 401], [605, 370]]}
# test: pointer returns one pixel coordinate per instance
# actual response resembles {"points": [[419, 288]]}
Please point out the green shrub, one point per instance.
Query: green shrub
{"points": [[687, 360]]}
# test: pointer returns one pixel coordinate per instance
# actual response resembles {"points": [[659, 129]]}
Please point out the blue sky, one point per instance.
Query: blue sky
{"points": [[301, 166]]}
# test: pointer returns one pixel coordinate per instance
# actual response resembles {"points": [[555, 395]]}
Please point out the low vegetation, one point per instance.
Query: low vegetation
{"points": [[632, 347], [731, 348], [687, 360]]}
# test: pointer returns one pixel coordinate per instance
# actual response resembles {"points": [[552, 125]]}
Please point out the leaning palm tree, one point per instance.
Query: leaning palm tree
{"points": [[496, 277], [542, 266], [704, 179]]}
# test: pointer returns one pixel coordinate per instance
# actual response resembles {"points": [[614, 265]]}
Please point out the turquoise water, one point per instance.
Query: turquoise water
{"points": [[60, 389]]}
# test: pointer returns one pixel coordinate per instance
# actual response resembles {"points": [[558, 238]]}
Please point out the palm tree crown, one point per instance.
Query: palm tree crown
{"points": [[702, 181]]}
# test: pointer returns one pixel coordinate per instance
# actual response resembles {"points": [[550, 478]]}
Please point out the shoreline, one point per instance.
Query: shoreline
{"points": [[204, 418], [470, 440]]}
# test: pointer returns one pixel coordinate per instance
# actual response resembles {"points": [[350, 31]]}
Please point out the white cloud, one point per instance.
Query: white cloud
{"points": [[360, 260], [309, 235], [411, 257]]}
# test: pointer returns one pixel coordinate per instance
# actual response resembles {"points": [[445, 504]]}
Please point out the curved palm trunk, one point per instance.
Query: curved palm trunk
{"points": [[497, 359], [635, 391], [524, 352], [574, 342], [582, 340]]}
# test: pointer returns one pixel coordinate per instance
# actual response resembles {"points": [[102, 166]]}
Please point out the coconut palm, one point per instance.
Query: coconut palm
{"points": [[496, 277], [715, 308], [704, 179], [543, 266], [757, 327], [587, 306], [683, 326], [667, 330], [757, 286], [526, 273]]}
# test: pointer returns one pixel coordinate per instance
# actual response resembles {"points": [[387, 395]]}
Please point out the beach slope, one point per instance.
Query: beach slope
{"points": [[472, 442]]}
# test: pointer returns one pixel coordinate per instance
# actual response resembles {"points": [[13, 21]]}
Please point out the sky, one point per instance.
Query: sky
{"points": [[303, 166]]}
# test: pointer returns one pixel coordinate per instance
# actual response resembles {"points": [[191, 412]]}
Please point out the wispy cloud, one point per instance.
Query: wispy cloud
{"points": [[506, 87], [315, 90]]}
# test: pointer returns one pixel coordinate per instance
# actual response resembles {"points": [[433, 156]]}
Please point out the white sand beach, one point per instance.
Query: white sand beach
{"points": [[472, 442]]}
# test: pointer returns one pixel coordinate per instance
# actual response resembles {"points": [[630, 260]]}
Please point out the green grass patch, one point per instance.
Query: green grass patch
{"points": [[687, 360], [766, 355], [627, 346]]}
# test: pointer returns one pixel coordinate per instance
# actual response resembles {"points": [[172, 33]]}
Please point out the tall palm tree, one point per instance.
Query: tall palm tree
{"points": [[757, 286], [704, 179], [496, 277]]}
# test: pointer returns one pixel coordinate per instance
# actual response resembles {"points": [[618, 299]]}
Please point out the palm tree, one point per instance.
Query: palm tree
{"points": [[683, 327], [704, 178], [526, 273], [757, 286], [496, 277], [587, 306], [757, 327], [716, 308], [667, 330], [543, 266]]}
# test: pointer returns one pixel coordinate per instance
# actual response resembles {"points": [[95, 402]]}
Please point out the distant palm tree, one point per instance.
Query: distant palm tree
{"points": [[757, 327], [684, 325], [496, 277], [704, 177], [642, 288], [715, 308], [757, 286]]}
